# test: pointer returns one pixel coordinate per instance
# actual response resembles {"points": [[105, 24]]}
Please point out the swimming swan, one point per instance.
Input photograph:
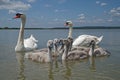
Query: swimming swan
{"points": [[73, 54], [97, 52], [83, 53], [27, 44], [82, 40], [41, 56]]}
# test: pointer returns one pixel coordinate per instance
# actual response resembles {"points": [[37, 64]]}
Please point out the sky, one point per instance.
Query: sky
{"points": [[54, 13]]}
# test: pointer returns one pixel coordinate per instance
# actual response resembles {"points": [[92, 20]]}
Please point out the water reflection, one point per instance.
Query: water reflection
{"points": [[56, 69], [68, 72], [92, 63], [21, 65], [60, 66], [50, 71]]}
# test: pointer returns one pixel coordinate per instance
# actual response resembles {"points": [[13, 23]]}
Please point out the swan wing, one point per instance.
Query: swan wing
{"points": [[81, 40], [33, 38], [84, 40], [30, 43], [99, 39]]}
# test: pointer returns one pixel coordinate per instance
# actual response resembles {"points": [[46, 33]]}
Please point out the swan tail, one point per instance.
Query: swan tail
{"points": [[33, 38], [99, 39]]}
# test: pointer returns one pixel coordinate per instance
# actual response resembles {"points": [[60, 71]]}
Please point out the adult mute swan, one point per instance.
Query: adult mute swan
{"points": [[41, 56], [82, 40], [24, 44]]}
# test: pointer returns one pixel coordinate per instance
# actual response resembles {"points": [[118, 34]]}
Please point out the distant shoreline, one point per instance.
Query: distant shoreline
{"points": [[6, 28]]}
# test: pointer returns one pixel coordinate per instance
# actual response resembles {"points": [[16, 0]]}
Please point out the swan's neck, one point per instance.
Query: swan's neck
{"points": [[91, 52], [55, 50], [20, 42], [49, 59], [64, 56], [21, 32], [70, 31]]}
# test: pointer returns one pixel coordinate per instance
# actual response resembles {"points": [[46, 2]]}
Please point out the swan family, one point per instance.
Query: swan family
{"points": [[83, 47]]}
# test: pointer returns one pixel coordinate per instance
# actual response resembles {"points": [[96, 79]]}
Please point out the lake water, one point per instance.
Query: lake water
{"points": [[13, 66]]}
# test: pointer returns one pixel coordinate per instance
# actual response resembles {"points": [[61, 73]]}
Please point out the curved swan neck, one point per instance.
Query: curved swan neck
{"points": [[20, 42], [70, 31], [21, 32], [56, 52], [64, 56], [49, 55], [91, 52]]}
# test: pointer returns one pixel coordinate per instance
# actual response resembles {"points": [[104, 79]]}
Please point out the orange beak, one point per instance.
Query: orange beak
{"points": [[16, 17]]}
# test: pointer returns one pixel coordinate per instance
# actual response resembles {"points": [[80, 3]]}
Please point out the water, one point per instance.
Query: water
{"points": [[13, 66]]}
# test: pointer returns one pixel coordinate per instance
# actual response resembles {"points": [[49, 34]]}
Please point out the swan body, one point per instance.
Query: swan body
{"points": [[84, 40], [73, 54], [41, 56], [98, 52], [24, 44], [76, 55], [30, 43]]}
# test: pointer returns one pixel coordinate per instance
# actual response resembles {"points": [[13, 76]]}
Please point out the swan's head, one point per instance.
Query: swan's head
{"points": [[50, 44], [58, 42], [68, 23], [70, 39], [19, 15], [65, 42], [92, 43]]}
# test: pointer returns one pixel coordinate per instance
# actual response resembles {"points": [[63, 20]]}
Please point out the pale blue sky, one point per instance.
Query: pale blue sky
{"points": [[53, 13]]}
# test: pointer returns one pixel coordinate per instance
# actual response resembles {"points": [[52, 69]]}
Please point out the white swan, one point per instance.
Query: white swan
{"points": [[82, 40], [27, 44], [41, 56]]}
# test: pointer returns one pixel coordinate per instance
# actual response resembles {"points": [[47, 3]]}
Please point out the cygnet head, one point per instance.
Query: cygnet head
{"points": [[50, 44], [68, 23], [92, 43], [70, 39], [56, 41], [65, 42]]}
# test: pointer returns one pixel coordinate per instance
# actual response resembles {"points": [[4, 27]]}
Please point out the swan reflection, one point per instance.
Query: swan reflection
{"points": [[21, 66], [92, 63]]}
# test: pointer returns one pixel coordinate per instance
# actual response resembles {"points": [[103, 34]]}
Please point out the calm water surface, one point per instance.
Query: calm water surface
{"points": [[13, 66]]}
